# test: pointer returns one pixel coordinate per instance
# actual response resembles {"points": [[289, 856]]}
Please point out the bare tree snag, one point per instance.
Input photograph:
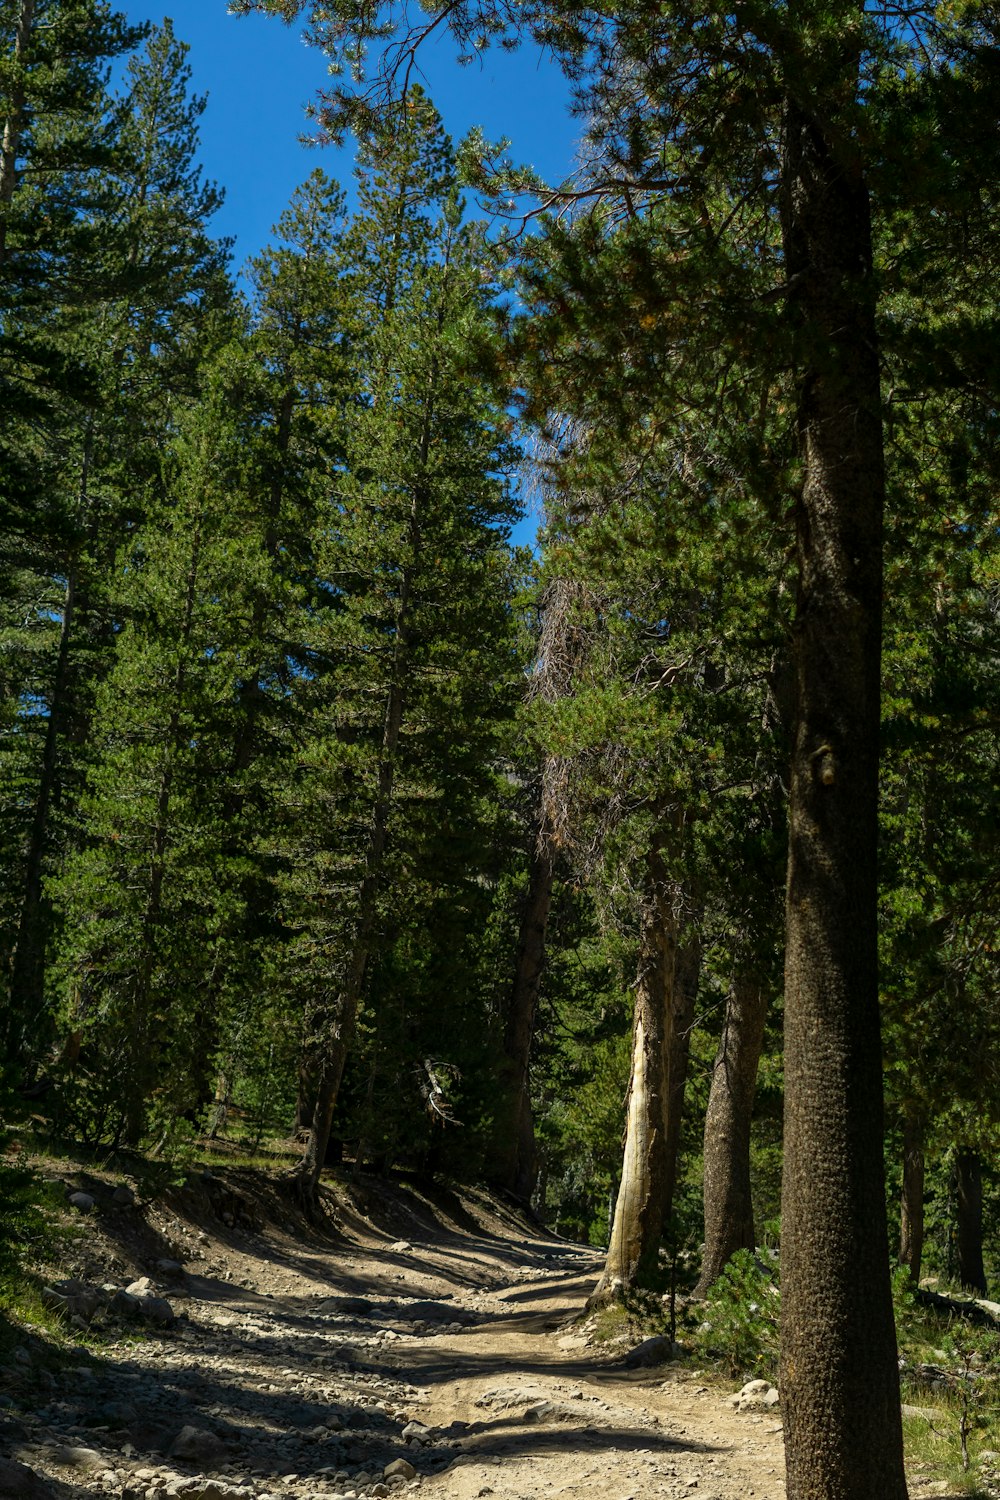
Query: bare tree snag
{"points": [[664, 1003]]}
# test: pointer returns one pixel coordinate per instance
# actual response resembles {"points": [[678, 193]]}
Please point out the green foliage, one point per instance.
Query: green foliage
{"points": [[24, 1229], [740, 1324]]}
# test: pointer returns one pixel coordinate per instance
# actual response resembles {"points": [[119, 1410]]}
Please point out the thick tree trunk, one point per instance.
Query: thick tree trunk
{"points": [[515, 1163], [640, 1208], [664, 1003], [969, 1221], [681, 997], [839, 1377], [728, 1202], [911, 1209]]}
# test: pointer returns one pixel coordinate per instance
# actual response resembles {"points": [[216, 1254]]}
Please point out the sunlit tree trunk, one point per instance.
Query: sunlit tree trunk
{"points": [[641, 1205], [663, 1005]]}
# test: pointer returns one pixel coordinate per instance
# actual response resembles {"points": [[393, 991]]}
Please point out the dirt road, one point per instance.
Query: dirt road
{"points": [[441, 1362]]}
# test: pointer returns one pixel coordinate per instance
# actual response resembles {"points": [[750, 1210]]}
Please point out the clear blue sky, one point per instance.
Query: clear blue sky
{"points": [[259, 75]]}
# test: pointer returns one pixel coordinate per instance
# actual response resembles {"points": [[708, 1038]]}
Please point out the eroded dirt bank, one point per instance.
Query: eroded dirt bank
{"points": [[431, 1339]]}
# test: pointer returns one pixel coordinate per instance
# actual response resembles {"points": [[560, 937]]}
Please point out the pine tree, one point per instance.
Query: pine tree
{"points": [[154, 274], [416, 661], [153, 927]]}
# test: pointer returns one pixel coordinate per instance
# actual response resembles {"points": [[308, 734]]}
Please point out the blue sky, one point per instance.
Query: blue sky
{"points": [[259, 75]]}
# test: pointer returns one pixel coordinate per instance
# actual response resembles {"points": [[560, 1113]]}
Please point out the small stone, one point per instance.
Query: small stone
{"points": [[78, 1458], [123, 1196], [401, 1247], [757, 1395], [82, 1202], [400, 1467], [416, 1432], [929, 1412], [125, 1305], [170, 1268]]}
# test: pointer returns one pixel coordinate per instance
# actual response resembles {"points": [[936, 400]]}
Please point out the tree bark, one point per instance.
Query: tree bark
{"points": [[911, 1210], [839, 1376], [727, 1194], [969, 1221], [641, 1205], [681, 996], [13, 128], [664, 1004]]}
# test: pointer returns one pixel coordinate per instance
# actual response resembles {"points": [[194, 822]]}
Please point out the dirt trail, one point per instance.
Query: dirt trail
{"points": [[305, 1371]]}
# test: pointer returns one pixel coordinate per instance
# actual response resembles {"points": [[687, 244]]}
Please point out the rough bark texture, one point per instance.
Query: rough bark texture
{"points": [[839, 1378], [969, 1221], [728, 1201], [911, 1208], [682, 993], [13, 128], [640, 1208], [664, 1004]]}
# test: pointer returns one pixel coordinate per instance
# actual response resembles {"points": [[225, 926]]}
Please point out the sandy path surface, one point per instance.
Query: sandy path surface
{"points": [[549, 1415]]}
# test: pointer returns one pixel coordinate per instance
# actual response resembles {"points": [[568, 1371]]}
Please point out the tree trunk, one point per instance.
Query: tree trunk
{"points": [[728, 1201], [681, 997], [640, 1208], [839, 1377], [515, 1162], [13, 128], [911, 1211], [664, 999], [969, 1221]]}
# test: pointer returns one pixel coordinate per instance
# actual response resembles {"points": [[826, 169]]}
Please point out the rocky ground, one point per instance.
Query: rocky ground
{"points": [[429, 1346]]}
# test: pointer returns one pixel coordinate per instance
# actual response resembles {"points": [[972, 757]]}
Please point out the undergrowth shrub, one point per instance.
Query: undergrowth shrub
{"points": [[740, 1325]]}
